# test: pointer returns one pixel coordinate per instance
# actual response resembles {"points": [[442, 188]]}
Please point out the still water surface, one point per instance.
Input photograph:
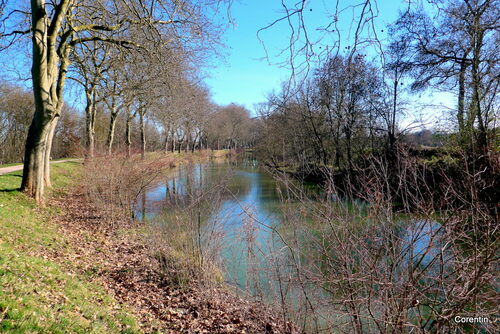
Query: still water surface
{"points": [[247, 211], [244, 203]]}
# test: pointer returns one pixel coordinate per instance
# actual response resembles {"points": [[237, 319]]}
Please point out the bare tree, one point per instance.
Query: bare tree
{"points": [[57, 28], [92, 62], [457, 44], [396, 68], [113, 87]]}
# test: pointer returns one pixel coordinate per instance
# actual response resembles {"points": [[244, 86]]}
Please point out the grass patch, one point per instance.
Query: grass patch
{"points": [[37, 294]]}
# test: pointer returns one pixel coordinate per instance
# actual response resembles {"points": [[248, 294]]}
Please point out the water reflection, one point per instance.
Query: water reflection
{"points": [[422, 241], [243, 206], [247, 211]]}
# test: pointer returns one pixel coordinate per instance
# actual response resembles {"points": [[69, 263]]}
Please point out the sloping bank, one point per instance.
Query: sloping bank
{"points": [[70, 268], [41, 288]]}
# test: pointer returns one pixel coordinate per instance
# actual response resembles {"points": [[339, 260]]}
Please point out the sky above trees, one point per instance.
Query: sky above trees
{"points": [[245, 75], [249, 69]]}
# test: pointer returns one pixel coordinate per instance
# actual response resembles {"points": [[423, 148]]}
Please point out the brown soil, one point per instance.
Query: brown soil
{"points": [[117, 258]]}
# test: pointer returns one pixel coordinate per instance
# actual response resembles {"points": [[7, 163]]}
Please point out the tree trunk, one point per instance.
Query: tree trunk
{"points": [[166, 143], [34, 156], [48, 72], [461, 97], [476, 112], [188, 140], [347, 132], [143, 134], [90, 112], [111, 131], [48, 150], [392, 121], [128, 129], [194, 143]]}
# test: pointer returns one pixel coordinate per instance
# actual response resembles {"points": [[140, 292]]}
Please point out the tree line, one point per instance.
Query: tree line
{"points": [[351, 105], [137, 62]]}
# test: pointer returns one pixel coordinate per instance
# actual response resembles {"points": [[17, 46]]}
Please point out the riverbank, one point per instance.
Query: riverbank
{"points": [[111, 265], [41, 288], [414, 176]]}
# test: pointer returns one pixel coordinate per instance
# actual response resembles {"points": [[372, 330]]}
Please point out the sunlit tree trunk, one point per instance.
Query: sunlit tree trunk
{"points": [[90, 112], [48, 76], [48, 151], [166, 143], [111, 130], [188, 141]]}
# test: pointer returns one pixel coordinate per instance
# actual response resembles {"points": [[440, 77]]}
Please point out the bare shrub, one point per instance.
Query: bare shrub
{"points": [[360, 266], [182, 236], [175, 228], [364, 264], [115, 183]]}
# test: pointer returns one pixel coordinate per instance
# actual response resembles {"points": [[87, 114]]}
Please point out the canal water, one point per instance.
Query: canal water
{"points": [[238, 199], [236, 208]]}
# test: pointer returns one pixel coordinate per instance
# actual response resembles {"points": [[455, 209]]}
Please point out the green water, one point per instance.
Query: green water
{"points": [[239, 199], [240, 217]]}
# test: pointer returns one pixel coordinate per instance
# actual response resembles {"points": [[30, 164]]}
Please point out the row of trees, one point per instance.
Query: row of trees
{"points": [[342, 110], [132, 60], [70, 32], [196, 123], [350, 106], [16, 109]]}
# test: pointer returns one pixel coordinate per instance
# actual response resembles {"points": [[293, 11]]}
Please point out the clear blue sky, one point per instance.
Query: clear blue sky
{"points": [[245, 77]]}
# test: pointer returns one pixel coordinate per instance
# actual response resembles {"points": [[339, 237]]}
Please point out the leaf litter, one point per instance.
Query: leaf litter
{"points": [[122, 263]]}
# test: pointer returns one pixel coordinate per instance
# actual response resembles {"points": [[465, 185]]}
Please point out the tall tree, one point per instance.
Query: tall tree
{"points": [[456, 44], [57, 27], [113, 88], [92, 61], [346, 88]]}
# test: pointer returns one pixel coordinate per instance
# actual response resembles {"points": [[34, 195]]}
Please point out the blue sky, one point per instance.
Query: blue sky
{"points": [[245, 77]]}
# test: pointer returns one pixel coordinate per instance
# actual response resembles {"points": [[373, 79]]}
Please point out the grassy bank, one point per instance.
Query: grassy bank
{"points": [[73, 268], [38, 294]]}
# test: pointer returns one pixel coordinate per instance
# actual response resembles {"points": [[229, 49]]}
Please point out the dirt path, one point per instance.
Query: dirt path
{"points": [[5, 170]]}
